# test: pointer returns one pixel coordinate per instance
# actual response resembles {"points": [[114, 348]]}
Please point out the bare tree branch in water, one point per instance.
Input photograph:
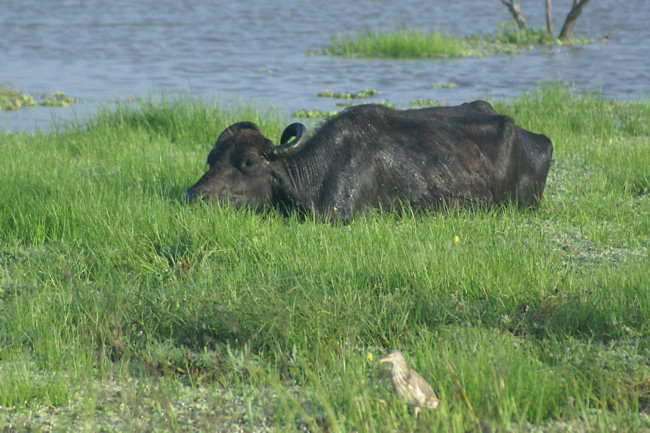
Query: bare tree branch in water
{"points": [[549, 23], [576, 10], [515, 10]]}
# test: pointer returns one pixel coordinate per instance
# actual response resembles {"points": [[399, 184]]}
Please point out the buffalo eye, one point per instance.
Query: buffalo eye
{"points": [[244, 162]]}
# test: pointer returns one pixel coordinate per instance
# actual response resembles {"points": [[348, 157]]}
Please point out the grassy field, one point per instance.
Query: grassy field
{"points": [[419, 44], [122, 308]]}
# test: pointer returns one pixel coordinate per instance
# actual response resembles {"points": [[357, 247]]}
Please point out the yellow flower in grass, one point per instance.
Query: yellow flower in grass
{"points": [[456, 239], [369, 357]]}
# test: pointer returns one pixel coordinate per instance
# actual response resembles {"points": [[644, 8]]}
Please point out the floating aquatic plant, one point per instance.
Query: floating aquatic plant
{"points": [[439, 85], [425, 102], [56, 99], [362, 94], [314, 113], [12, 99]]}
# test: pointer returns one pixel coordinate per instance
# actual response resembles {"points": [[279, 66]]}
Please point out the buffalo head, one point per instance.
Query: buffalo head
{"points": [[244, 165]]}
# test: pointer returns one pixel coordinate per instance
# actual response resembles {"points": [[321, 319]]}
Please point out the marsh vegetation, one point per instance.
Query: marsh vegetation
{"points": [[419, 44], [126, 309]]}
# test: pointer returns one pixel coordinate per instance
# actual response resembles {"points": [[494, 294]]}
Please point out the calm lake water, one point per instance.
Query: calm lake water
{"points": [[257, 50]]}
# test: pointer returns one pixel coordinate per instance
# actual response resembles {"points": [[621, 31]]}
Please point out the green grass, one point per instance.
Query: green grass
{"points": [[411, 43], [124, 309], [419, 44]]}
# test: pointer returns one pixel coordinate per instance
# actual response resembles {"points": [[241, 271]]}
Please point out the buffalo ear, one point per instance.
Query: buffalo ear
{"points": [[289, 148], [234, 129]]}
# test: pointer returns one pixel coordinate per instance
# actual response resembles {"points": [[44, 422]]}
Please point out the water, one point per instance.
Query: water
{"points": [[257, 50]]}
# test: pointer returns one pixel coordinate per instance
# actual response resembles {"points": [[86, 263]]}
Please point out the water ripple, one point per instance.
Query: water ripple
{"points": [[101, 51]]}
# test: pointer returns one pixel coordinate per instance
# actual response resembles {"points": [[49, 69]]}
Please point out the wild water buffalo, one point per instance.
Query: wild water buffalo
{"points": [[372, 156]]}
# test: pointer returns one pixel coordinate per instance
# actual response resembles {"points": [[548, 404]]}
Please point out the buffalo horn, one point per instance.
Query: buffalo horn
{"points": [[289, 148], [234, 129]]}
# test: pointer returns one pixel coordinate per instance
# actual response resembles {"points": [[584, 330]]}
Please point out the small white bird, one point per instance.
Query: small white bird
{"points": [[408, 384]]}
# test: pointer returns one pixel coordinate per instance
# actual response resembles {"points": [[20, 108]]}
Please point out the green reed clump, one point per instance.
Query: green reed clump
{"points": [[116, 295], [510, 33], [419, 44], [410, 43]]}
